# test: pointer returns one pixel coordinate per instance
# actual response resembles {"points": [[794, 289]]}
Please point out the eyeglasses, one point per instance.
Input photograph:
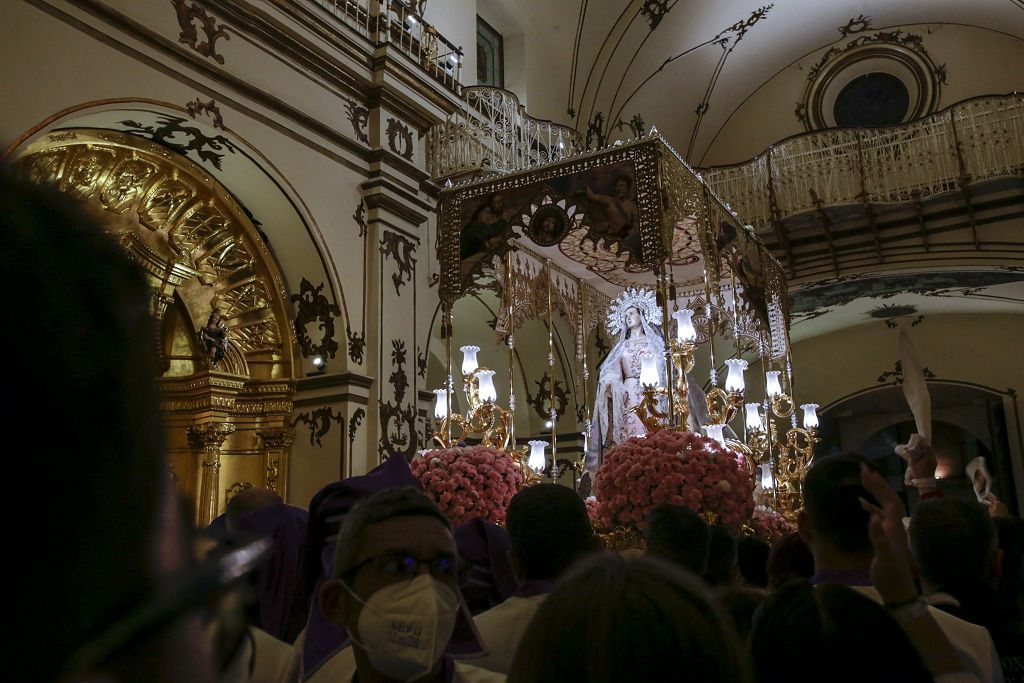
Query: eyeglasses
{"points": [[400, 566]]}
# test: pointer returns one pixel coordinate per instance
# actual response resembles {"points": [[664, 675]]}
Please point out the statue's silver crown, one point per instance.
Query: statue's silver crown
{"points": [[643, 300]]}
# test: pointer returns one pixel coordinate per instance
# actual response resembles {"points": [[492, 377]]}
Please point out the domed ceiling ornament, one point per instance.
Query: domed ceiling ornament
{"points": [[880, 79]]}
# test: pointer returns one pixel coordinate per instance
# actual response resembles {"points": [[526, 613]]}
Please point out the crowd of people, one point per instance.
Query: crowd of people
{"points": [[374, 584]]}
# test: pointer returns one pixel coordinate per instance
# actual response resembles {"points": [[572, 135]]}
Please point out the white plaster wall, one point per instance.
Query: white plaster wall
{"points": [[456, 21], [91, 68]]}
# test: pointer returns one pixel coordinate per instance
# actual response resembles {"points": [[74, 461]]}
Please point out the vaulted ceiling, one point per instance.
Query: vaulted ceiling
{"points": [[723, 80], [687, 66]]}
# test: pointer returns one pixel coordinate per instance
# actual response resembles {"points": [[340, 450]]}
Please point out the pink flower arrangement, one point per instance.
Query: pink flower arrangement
{"points": [[769, 525], [682, 468], [470, 481], [592, 511]]}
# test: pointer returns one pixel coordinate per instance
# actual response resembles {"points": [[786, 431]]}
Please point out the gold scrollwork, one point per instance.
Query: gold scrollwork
{"points": [[722, 405], [179, 224]]}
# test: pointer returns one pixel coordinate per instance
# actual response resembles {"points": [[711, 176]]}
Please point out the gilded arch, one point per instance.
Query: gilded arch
{"points": [[200, 250]]}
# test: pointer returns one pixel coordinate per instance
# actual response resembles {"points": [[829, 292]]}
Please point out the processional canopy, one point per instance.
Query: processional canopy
{"points": [[630, 215]]}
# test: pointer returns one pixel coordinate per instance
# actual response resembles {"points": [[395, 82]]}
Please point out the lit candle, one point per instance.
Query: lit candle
{"points": [[488, 394], [685, 331], [537, 459], [810, 415], [734, 381], [441, 404], [715, 432], [772, 385], [648, 370], [753, 417], [469, 363]]}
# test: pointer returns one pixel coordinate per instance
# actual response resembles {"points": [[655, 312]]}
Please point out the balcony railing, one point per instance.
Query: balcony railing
{"points": [[493, 132], [968, 142], [392, 22]]}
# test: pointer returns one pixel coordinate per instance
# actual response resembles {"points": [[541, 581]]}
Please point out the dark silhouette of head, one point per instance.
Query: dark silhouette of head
{"points": [[953, 543], [752, 560], [740, 603], [628, 620], [1010, 589], [248, 500], [790, 558], [549, 529], [490, 579], [805, 634], [678, 534], [833, 523], [722, 568], [87, 408]]}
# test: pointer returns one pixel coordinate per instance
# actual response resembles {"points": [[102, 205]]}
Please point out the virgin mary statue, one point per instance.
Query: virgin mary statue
{"points": [[632, 321]]}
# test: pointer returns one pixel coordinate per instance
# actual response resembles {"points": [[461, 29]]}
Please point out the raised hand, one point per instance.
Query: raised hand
{"points": [[890, 568]]}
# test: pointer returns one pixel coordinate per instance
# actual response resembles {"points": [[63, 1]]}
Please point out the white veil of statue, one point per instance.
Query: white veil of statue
{"points": [[617, 384]]}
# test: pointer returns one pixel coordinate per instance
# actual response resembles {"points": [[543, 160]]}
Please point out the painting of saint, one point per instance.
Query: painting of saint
{"points": [[548, 225], [621, 213], [741, 252], [608, 195], [486, 233]]}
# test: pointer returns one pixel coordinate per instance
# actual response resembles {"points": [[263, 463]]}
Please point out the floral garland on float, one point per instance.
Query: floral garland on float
{"points": [[469, 481], [768, 525], [669, 466]]}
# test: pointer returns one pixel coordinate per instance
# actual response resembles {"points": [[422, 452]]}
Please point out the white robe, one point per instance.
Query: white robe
{"points": [[501, 628]]}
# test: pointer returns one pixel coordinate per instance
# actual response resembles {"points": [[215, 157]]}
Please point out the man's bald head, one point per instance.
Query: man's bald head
{"points": [[248, 500]]}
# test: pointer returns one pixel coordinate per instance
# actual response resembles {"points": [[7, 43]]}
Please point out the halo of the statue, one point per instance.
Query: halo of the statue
{"points": [[644, 300]]}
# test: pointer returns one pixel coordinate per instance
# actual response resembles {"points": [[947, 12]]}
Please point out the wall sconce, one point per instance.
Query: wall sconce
{"points": [[319, 366]]}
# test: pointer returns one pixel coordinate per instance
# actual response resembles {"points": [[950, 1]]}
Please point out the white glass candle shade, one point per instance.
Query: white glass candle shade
{"points": [[810, 415], [772, 385], [440, 404], [537, 460], [649, 370], [715, 432], [734, 381], [753, 417], [469, 363], [767, 481], [488, 394], [685, 331]]}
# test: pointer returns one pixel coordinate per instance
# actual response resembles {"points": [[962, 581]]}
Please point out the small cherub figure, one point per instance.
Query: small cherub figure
{"points": [[214, 337]]}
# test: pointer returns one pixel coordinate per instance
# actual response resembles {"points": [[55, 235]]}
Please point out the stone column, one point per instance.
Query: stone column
{"points": [[278, 443], [208, 438]]}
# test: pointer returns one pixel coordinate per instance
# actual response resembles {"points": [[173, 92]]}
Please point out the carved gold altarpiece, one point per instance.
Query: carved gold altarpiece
{"points": [[227, 428]]}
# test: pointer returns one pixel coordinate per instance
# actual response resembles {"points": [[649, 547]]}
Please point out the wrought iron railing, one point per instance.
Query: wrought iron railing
{"points": [[392, 22], [970, 141], [493, 132]]}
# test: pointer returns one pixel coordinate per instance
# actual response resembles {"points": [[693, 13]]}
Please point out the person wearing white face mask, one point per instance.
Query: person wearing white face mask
{"points": [[395, 590]]}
